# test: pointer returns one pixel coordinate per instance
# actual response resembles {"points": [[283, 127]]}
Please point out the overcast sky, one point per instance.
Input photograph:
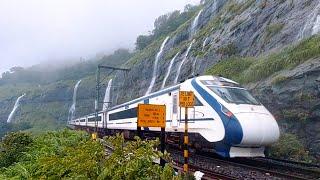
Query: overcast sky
{"points": [[33, 31]]}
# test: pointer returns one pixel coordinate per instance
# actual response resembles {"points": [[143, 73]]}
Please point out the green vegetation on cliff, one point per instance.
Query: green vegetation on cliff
{"points": [[253, 69], [49, 93], [289, 147]]}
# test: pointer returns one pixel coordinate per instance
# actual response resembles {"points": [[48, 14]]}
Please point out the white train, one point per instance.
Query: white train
{"points": [[225, 119]]}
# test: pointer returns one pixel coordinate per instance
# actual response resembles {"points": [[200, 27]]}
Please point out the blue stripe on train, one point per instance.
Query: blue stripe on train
{"points": [[233, 130]]}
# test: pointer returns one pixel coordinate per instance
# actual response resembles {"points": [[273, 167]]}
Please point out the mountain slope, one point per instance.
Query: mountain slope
{"points": [[49, 93]]}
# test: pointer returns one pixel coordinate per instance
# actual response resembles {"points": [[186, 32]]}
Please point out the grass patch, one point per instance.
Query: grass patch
{"points": [[272, 30], [238, 8], [279, 79], [263, 67], [231, 68], [228, 50], [289, 147]]}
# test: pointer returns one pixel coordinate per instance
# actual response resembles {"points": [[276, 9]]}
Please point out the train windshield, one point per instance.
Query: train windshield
{"points": [[234, 95]]}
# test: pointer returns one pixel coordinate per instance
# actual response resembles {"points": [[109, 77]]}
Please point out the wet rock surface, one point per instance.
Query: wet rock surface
{"points": [[251, 28], [293, 97]]}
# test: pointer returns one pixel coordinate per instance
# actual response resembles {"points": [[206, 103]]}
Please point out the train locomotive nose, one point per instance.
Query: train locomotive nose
{"points": [[259, 129]]}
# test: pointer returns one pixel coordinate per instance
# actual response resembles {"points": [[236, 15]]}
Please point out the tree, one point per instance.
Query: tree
{"points": [[165, 24], [13, 146], [143, 41]]}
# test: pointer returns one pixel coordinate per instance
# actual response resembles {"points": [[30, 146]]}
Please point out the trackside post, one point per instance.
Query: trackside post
{"points": [[186, 100], [150, 115]]}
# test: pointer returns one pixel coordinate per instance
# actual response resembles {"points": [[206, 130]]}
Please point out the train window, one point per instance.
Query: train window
{"points": [[209, 82], [82, 120], [93, 119], [219, 83], [197, 102], [129, 113], [234, 95]]}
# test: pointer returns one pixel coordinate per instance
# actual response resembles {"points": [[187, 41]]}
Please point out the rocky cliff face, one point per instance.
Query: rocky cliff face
{"points": [[224, 29], [293, 96]]}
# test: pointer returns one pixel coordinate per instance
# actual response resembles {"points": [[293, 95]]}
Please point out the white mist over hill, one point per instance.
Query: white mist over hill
{"points": [[34, 31]]}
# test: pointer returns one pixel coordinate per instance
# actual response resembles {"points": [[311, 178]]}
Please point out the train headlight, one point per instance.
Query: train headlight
{"points": [[226, 111]]}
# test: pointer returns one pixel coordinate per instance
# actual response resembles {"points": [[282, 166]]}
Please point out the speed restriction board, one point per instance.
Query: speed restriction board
{"points": [[186, 99]]}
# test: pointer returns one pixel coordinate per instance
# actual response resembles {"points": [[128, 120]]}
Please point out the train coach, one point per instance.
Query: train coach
{"points": [[226, 118]]}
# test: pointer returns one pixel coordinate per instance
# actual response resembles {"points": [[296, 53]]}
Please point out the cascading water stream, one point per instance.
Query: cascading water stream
{"points": [[316, 26], [214, 6], [195, 23], [15, 108], [184, 59], [107, 99], [155, 66], [196, 59], [74, 101], [194, 66], [204, 43], [312, 26], [169, 70]]}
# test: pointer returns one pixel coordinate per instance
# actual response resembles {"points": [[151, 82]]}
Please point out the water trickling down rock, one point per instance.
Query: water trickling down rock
{"points": [[74, 101], [312, 26], [169, 70], [106, 101], [15, 108], [184, 59], [155, 66], [194, 24]]}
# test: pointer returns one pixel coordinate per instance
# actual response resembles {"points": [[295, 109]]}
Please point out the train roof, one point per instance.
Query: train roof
{"points": [[151, 95], [217, 80]]}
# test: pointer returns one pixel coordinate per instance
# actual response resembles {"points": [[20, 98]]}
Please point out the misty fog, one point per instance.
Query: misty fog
{"points": [[35, 31]]}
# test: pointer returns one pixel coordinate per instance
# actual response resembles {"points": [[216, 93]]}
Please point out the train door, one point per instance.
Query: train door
{"points": [[174, 111]]}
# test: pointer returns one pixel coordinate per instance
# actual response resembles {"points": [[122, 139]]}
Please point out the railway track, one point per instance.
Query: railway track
{"points": [[295, 169], [208, 175], [215, 167], [302, 164], [245, 168]]}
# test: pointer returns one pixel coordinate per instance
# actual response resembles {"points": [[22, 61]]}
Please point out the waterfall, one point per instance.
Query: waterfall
{"points": [[194, 24], [194, 66], [16, 105], [74, 101], [316, 26], [155, 66], [169, 70], [214, 6], [184, 59], [196, 60], [204, 43], [116, 99], [107, 99], [312, 26]]}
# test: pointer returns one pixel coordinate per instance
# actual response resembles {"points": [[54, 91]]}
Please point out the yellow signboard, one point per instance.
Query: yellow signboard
{"points": [[186, 99], [150, 115]]}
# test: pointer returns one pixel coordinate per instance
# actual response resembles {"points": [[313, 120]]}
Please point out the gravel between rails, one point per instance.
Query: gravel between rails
{"points": [[239, 170]]}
